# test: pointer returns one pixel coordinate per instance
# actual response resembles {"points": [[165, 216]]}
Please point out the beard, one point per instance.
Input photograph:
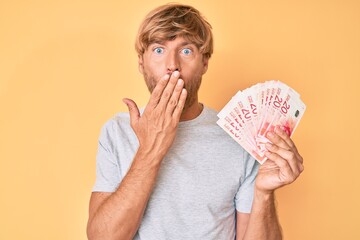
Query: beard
{"points": [[191, 85]]}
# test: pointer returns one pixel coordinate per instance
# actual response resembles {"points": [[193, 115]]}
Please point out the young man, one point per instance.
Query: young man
{"points": [[171, 172]]}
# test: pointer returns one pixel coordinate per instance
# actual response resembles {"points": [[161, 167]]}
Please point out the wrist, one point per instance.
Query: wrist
{"points": [[264, 196], [148, 156], [264, 201]]}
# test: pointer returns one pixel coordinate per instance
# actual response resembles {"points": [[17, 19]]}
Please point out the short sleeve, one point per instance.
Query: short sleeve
{"points": [[245, 195], [107, 168]]}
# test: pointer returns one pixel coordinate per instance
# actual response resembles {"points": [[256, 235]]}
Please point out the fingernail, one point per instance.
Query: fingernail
{"points": [[270, 134], [279, 129], [176, 74], [166, 77], [180, 82]]}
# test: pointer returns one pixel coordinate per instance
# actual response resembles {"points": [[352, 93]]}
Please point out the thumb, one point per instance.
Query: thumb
{"points": [[133, 110]]}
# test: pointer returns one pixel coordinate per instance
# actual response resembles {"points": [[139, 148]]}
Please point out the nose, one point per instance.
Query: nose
{"points": [[172, 62]]}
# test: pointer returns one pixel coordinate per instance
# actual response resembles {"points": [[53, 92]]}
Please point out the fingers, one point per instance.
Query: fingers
{"points": [[163, 92], [283, 140], [284, 153], [277, 140], [285, 137], [286, 174], [287, 157], [166, 95], [174, 99], [158, 91], [179, 107], [133, 110], [169, 89]]}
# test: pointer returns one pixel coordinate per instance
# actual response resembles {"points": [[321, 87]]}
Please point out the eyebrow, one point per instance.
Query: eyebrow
{"points": [[184, 43]]}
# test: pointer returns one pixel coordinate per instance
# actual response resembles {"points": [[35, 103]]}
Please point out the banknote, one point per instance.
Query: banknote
{"points": [[253, 112]]}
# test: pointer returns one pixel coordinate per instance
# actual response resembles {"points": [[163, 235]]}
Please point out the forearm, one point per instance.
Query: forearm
{"points": [[120, 215], [263, 223]]}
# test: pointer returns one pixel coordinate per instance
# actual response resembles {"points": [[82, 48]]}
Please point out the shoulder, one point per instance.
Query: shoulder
{"points": [[209, 121], [116, 129], [118, 121]]}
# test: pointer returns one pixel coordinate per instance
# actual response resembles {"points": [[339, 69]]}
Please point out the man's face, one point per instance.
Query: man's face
{"points": [[175, 55]]}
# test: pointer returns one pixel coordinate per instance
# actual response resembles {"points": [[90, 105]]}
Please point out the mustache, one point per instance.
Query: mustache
{"points": [[151, 82]]}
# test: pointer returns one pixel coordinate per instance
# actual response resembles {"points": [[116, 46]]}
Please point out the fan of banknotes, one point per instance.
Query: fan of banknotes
{"points": [[253, 112]]}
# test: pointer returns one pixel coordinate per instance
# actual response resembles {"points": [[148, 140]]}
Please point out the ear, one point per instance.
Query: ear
{"points": [[205, 64], [141, 63]]}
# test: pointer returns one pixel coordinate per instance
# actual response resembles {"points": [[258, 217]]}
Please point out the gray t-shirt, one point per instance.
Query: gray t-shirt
{"points": [[204, 178]]}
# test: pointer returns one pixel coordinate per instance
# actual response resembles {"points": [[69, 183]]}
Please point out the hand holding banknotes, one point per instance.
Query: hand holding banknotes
{"points": [[284, 163], [262, 119]]}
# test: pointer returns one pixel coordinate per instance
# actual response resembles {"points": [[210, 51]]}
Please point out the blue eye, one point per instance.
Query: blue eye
{"points": [[158, 50], [186, 51]]}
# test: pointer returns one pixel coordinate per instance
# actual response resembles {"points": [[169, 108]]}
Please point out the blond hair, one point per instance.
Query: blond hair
{"points": [[175, 20]]}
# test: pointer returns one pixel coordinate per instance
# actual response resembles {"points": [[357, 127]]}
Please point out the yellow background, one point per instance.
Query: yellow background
{"points": [[66, 65]]}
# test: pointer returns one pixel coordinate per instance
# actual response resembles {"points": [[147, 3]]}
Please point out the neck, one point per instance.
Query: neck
{"points": [[192, 111]]}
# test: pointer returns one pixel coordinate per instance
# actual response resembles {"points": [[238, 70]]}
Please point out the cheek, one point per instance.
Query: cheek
{"points": [[155, 69], [191, 71]]}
